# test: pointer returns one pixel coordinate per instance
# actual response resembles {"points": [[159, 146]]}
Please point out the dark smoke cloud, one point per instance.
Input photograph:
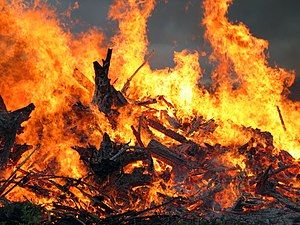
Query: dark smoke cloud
{"points": [[175, 26]]}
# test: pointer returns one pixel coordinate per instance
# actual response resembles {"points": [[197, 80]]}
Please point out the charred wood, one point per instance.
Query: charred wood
{"points": [[110, 158], [146, 102], [137, 135], [267, 187], [191, 148], [127, 84], [134, 179], [10, 126], [2, 104], [170, 133], [281, 118], [165, 154], [17, 152], [106, 97]]}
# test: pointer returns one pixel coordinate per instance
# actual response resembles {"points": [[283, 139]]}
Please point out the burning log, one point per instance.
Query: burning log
{"points": [[192, 148], [126, 182], [111, 158], [281, 118], [172, 120], [5, 189], [246, 203], [197, 124], [99, 160], [106, 97], [170, 133], [267, 187], [127, 84], [2, 104], [10, 126], [160, 151], [18, 150], [137, 135], [123, 174], [146, 102]]}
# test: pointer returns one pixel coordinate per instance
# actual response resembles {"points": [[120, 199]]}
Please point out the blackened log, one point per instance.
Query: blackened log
{"points": [[108, 148], [110, 158], [195, 124], [98, 201], [267, 187], [18, 151], [85, 153], [190, 149], [246, 203], [172, 120], [40, 191], [2, 104], [193, 147], [170, 133], [137, 136], [133, 156], [127, 84], [286, 201], [106, 97], [135, 179], [146, 102], [99, 160], [23, 114], [281, 118], [209, 126], [100, 167], [162, 98], [10, 126], [106, 168], [163, 153]]}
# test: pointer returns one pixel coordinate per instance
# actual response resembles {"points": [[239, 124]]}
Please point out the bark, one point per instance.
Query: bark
{"points": [[106, 97], [10, 126]]}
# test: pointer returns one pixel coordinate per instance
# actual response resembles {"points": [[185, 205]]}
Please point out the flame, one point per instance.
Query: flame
{"points": [[47, 65]]}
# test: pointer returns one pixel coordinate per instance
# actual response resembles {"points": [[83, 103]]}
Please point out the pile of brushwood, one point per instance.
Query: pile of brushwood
{"points": [[266, 197]]}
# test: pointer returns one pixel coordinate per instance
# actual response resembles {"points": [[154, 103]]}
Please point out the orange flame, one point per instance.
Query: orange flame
{"points": [[43, 64]]}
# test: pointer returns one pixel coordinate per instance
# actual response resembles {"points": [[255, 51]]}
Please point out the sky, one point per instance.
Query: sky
{"points": [[173, 28]]}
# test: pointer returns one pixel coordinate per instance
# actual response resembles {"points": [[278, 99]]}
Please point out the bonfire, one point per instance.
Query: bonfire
{"points": [[90, 134]]}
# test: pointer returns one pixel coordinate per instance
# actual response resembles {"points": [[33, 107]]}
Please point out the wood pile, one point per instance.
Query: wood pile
{"points": [[265, 197]]}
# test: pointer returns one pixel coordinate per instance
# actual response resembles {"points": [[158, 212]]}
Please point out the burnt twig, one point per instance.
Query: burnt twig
{"points": [[281, 118], [127, 84]]}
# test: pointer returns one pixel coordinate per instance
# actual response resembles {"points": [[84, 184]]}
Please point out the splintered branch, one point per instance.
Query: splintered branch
{"points": [[162, 152], [106, 97], [2, 104], [10, 126], [13, 175], [281, 118], [127, 84], [137, 135], [170, 133], [267, 187]]}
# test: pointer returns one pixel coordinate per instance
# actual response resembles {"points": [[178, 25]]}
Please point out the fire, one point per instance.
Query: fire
{"points": [[262, 88], [43, 63]]}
